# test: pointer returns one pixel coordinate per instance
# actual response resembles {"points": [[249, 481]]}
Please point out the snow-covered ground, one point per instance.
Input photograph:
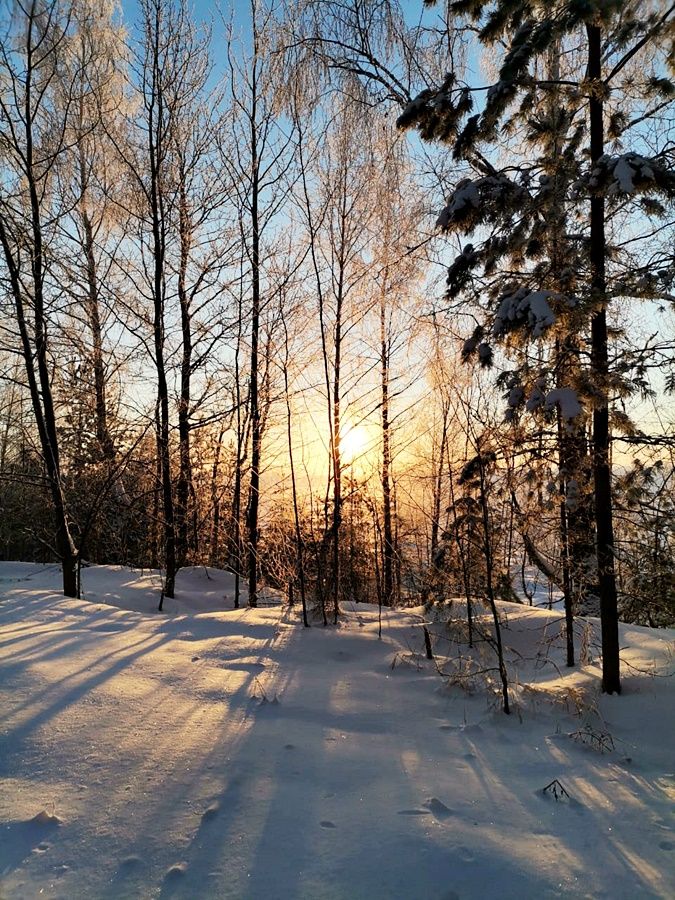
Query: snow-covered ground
{"points": [[213, 753]]}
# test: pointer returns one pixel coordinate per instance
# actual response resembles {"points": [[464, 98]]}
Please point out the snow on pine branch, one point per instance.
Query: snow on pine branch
{"points": [[473, 200], [566, 399], [629, 173], [525, 308]]}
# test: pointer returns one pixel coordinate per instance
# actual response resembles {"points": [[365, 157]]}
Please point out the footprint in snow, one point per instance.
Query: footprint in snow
{"points": [[43, 818], [211, 812], [289, 746], [129, 864], [326, 824], [438, 809], [176, 871], [667, 845], [466, 855]]}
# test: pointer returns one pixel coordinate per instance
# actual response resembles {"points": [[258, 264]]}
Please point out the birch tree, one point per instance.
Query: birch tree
{"points": [[33, 129]]}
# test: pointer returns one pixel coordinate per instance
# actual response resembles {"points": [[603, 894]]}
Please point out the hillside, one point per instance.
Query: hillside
{"points": [[214, 753]]}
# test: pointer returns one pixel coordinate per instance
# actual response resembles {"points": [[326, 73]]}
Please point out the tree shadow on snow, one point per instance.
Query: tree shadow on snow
{"points": [[19, 840]]}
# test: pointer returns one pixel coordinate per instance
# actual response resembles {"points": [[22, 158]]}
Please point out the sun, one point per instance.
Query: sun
{"points": [[355, 444]]}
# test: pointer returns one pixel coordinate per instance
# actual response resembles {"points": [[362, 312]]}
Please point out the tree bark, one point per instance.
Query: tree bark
{"points": [[611, 681], [184, 482], [254, 485], [156, 150], [34, 347], [299, 542], [487, 550], [388, 549]]}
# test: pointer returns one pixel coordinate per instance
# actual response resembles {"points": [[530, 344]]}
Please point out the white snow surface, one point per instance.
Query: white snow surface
{"points": [[213, 753]]}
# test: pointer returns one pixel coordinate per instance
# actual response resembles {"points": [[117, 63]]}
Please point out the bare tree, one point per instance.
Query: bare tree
{"points": [[257, 172], [33, 129], [168, 145]]}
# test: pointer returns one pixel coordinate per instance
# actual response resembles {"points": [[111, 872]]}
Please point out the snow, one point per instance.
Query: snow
{"points": [[537, 396], [465, 195], [198, 589], [628, 173], [525, 306], [412, 109], [214, 753], [516, 395], [627, 169], [573, 494], [566, 399], [498, 90], [624, 174], [465, 206]]}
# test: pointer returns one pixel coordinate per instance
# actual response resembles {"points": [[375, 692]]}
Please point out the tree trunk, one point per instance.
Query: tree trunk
{"points": [[254, 485], [337, 469], [156, 151], [34, 347], [436, 508], [565, 553], [388, 537], [487, 550], [299, 543], [611, 681], [214, 548], [184, 482]]}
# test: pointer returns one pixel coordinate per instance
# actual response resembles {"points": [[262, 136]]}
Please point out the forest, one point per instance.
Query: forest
{"points": [[351, 300]]}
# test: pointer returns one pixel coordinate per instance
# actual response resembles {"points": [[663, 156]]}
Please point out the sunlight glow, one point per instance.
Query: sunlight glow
{"points": [[355, 443]]}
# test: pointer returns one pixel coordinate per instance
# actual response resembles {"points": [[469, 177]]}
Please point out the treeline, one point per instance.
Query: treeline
{"points": [[230, 335]]}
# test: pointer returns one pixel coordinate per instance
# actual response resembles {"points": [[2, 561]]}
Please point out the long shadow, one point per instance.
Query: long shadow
{"points": [[275, 780], [216, 774], [261, 797], [13, 740], [57, 653], [281, 788], [28, 603]]}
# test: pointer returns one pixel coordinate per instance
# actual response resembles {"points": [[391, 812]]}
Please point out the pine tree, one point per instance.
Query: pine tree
{"points": [[539, 279]]}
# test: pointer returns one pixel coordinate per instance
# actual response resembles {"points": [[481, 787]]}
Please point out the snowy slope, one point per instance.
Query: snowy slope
{"points": [[234, 754]]}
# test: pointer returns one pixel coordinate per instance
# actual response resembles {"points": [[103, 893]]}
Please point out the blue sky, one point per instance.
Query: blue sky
{"points": [[205, 10], [208, 9]]}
